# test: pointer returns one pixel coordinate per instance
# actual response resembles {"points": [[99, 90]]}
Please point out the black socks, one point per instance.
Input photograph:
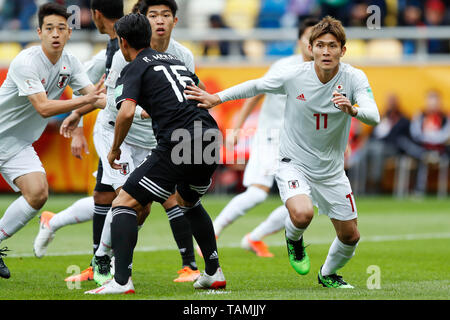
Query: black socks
{"points": [[182, 234], [100, 211], [124, 233], [203, 231]]}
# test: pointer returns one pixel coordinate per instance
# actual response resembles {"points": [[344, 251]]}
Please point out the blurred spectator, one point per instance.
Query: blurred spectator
{"points": [[411, 16], [338, 9], [299, 10], [389, 138], [17, 15], [224, 46], [431, 130], [434, 16], [358, 14]]}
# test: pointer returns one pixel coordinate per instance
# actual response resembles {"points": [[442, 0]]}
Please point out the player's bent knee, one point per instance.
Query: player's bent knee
{"points": [[301, 213], [143, 214], [103, 197], [301, 219], [170, 202], [124, 199], [183, 203], [350, 239], [37, 198]]}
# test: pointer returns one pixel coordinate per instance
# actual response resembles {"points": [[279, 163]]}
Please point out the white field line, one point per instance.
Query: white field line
{"points": [[380, 238]]}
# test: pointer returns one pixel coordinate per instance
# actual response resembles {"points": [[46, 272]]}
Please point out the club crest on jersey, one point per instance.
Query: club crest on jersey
{"points": [[340, 89], [125, 168], [293, 184], [63, 80]]}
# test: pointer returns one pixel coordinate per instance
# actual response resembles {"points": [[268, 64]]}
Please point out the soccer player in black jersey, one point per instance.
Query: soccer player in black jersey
{"points": [[183, 161]]}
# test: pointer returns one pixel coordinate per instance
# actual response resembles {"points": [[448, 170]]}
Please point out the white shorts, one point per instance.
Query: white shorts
{"points": [[24, 162], [130, 158], [333, 197], [263, 162]]}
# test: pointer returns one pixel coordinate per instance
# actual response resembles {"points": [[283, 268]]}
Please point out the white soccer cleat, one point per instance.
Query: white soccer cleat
{"points": [[45, 235], [112, 287], [216, 281]]}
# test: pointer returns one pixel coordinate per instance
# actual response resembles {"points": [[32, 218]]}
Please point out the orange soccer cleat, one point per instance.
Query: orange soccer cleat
{"points": [[44, 236], [85, 275], [258, 247], [187, 275]]}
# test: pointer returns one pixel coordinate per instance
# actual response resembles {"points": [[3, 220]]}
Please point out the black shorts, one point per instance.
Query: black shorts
{"points": [[158, 177], [99, 186]]}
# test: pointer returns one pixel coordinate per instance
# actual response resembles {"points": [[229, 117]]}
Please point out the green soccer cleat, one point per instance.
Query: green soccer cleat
{"points": [[297, 256], [101, 266], [4, 271], [333, 281]]}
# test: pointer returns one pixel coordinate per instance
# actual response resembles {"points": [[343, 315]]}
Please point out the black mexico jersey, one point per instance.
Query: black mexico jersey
{"points": [[156, 81]]}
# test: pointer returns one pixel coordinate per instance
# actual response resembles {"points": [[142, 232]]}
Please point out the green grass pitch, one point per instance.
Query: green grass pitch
{"points": [[407, 241]]}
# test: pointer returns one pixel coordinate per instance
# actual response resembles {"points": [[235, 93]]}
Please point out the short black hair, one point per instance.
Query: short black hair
{"points": [[305, 24], [49, 9], [134, 28], [111, 9], [136, 6], [145, 4]]}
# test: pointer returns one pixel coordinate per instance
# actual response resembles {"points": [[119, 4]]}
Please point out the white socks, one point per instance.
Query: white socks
{"points": [[273, 223], [292, 232], [338, 255], [238, 206], [81, 211], [16, 217]]}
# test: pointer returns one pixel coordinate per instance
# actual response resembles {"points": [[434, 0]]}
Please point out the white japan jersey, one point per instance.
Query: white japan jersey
{"points": [[96, 67], [29, 73], [272, 110], [315, 131], [141, 131]]}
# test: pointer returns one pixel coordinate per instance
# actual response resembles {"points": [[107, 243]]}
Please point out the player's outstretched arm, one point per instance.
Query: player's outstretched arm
{"points": [[49, 108], [205, 99]]}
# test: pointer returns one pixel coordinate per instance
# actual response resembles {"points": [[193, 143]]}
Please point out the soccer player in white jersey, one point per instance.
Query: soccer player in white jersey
{"points": [[259, 171], [320, 103], [104, 14], [36, 79], [139, 142]]}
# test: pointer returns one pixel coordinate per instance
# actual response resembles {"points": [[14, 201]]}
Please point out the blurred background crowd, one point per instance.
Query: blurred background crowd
{"points": [[409, 70]]}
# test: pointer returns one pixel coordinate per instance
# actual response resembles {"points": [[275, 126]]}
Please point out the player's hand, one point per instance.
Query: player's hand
{"points": [[232, 137], [144, 115], [98, 93], [113, 155], [69, 125], [206, 100], [344, 104], [79, 143]]}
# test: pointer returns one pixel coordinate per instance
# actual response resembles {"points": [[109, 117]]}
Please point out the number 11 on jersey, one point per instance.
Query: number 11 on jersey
{"points": [[325, 120]]}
